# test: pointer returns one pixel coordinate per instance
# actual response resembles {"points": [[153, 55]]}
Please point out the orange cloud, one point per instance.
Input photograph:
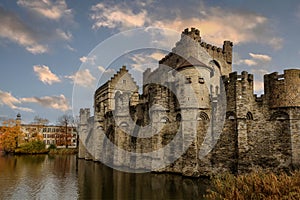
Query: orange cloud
{"points": [[45, 75]]}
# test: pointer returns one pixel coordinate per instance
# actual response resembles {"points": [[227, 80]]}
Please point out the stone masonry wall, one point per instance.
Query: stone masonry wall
{"points": [[219, 130]]}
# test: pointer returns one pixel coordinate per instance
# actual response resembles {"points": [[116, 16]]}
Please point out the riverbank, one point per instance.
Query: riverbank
{"points": [[60, 151], [64, 151], [256, 185]]}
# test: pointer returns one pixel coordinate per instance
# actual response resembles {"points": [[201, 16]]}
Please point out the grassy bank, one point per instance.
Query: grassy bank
{"points": [[256, 186], [63, 151], [38, 147], [33, 147]]}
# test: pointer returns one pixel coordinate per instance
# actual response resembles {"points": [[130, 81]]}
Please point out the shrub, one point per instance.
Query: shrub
{"points": [[256, 186], [52, 146], [63, 151], [32, 147]]}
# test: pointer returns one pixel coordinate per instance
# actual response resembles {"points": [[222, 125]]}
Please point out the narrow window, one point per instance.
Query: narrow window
{"points": [[188, 80], [201, 80]]}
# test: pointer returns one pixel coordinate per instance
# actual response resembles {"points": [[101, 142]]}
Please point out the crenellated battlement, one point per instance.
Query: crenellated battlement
{"points": [[252, 132], [84, 115], [191, 43], [282, 90], [235, 77], [213, 50], [193, 33]]}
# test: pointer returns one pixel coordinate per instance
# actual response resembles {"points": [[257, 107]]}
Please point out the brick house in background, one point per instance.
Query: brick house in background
{"points": [[60, 136]]}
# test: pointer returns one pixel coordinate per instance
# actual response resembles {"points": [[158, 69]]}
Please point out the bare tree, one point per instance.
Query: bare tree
{"points": [[66, 121], [35, 131], [40, 121]]}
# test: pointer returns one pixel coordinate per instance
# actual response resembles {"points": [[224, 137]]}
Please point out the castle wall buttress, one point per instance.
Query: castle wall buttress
{"points": [[295, 135]]}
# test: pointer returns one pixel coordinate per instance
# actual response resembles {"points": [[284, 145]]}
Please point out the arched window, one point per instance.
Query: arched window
{"points": [[123, 124], [279, 115], [202, 116], [249, 116], [201, 79], [215, 63], [164, 120], [230, 115], [188, 80], [117, 93]]}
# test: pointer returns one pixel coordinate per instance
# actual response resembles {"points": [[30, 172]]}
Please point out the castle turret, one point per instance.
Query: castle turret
{"points": [[282, 94], [193, 33], [283, 90], [18, 120], [191, 45], [84, 115], [239, 89]]}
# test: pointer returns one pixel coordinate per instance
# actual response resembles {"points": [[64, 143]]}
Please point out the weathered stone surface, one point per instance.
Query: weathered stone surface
{"points": [[194, 116]]}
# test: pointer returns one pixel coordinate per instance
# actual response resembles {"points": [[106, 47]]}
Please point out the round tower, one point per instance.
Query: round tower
{"points": [[282, 90], [18, 120]]}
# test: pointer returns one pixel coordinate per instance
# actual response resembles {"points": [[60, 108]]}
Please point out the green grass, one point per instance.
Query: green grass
{"points": [[33, 147], [63, 151]]}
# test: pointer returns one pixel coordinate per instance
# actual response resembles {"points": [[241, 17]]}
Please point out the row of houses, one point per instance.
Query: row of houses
{"points": [[60, 136]]}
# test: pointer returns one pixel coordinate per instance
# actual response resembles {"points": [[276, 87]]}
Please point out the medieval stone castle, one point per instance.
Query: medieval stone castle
{"points": [[195, 116]]}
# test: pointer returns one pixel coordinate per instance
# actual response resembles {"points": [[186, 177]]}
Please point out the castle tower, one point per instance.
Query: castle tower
{"points": [[282, 90], [239, 89], [282, 95], [124, 126], [191, 45], [193, 93], [84, 115], [18, 120]]}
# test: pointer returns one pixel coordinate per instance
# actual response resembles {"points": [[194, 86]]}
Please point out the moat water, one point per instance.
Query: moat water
{"points": [[65, 177]]}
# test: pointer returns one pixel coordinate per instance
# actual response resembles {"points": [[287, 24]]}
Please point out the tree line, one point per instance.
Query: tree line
{"points": [[12, 137]]}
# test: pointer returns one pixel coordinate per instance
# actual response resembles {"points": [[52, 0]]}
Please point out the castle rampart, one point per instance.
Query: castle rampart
{"points": [[195, 115]]}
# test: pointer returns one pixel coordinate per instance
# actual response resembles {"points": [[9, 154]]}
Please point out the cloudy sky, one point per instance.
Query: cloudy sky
{"points": [[51, 48]]}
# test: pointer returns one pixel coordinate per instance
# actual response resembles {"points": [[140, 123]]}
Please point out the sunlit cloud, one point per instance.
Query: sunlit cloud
{"points": [[256, 59], [249, 62], [83, 78], [113, 16], [85, 59], [157, 56], [45, 75], [6, 98], [261, 57], [101, 69], [32, 38], [108, 71], [71, 48], [217, 27], [55, 102], [14, 29], [64, 35], [215, 23], [53, 10], [142, 61]]}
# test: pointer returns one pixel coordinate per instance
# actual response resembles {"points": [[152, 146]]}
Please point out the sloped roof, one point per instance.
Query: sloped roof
{"points": [[191, 61]]}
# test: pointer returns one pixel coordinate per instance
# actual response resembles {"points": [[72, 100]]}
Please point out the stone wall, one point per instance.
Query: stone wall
{"points": [[196, 121]]}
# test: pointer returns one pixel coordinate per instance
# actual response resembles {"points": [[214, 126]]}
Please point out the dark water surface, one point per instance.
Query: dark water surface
{"points": [[65, 177]]}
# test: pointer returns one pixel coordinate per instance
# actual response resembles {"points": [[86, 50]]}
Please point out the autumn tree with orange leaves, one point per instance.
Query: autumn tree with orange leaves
{"points": [[10, 136]]}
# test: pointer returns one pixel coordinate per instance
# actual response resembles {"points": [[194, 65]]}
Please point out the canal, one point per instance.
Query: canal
{"points": [[65, 177]]}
